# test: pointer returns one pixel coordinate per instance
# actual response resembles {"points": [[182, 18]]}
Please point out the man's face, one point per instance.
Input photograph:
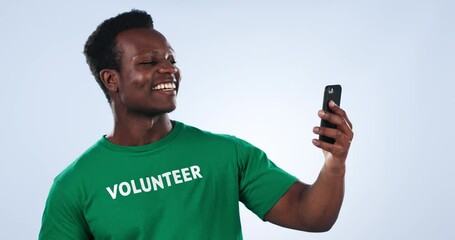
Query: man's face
{"points": [[149, 79]]}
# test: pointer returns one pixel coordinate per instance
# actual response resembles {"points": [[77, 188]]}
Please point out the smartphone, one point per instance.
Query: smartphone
{"points": [[331, 92]]}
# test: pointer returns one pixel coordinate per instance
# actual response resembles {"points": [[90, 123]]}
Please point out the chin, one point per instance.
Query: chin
{"points": [[161, 111], [170, 108]]}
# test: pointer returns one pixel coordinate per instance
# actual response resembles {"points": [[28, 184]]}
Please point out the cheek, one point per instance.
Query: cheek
{"points": [[178, 75], [137, 81], [134, 87]]}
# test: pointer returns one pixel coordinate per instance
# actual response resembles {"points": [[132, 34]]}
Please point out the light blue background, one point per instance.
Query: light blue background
{"points": [[255, 69]]}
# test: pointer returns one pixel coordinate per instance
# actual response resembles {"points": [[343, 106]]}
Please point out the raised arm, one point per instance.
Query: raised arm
{"points": [[315, 208]]}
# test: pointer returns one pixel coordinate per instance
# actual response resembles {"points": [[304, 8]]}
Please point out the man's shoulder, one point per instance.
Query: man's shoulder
{"points": [[202, 134], [80, 164]]}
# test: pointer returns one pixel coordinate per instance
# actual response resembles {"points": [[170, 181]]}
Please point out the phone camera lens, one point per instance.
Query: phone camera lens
{"points": [[330, 90]]}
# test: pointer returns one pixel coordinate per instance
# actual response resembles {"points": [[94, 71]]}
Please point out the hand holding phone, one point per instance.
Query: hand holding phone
{"points": [[331, 92]]}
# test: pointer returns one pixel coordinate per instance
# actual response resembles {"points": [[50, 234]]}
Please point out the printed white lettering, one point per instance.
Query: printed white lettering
{"points": [[196, 171], [124, 192], [157, 182], [113, 193], [149, 186], [177, 176], [135, 190], [168, 180], [186, 174]]}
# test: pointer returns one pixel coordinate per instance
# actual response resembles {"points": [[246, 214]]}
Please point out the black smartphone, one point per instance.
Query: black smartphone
{"points": [[331, 92]]}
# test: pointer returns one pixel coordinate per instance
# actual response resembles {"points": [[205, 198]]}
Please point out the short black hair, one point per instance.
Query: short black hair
{"points": [[100, 48]]}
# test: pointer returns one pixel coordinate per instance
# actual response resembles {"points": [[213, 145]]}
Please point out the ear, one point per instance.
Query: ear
{"points": [[110, 79]]}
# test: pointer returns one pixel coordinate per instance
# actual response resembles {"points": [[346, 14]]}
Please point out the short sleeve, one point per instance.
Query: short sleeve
{"points": [[63, 214], [261, 182]]}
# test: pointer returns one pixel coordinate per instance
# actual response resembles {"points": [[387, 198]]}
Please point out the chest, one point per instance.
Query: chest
{"points": [[160, 196]]}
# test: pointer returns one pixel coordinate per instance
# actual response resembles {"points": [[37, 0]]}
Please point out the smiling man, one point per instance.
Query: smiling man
{"points": [[156, 178]]}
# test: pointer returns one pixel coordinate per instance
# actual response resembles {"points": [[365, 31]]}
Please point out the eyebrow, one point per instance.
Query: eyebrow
{"points": [[155, 52]]}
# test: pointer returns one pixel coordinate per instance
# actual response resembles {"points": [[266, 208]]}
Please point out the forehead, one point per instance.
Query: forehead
{"points": [[141, 41]]}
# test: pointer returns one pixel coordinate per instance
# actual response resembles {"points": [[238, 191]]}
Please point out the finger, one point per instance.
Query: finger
{"points": [[335, 119], [346, 129], [336, 150], [323, 145], [341, 112], [339, 118], [340, 137]]}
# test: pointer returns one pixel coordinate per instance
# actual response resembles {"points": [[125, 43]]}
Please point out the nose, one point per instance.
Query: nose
{"points": [[168, 67]]}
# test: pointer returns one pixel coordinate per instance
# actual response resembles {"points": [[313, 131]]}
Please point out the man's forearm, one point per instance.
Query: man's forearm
{"points": [[320, 203]]}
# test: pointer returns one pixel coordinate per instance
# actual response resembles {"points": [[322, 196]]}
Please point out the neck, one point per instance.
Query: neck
{"points": [[140, 130]]}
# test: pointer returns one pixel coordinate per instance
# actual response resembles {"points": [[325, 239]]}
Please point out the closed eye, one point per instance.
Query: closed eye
{"points": [[149, 63], [172, 60]]}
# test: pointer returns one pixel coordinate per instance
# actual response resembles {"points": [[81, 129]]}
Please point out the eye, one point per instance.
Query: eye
{"points": [[172, 61], [149, 63]]}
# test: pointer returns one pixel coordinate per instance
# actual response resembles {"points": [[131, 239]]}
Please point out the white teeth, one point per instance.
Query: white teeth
{"points": [[165, 86]]}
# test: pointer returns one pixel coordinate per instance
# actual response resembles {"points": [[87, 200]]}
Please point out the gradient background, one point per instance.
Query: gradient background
{"points": [[254, 69]]}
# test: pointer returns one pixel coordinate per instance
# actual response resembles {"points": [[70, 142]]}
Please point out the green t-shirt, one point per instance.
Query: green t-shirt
{"points": [[185, 186]]}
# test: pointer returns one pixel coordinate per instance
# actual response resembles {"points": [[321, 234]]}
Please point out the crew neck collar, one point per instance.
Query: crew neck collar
{"points": [[147, 147]]}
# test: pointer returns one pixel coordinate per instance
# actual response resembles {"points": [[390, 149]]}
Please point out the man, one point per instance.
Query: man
{"points": [[154, 178]]}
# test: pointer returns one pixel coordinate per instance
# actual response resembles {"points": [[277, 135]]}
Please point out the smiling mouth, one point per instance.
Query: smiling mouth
{"points": [[165, 87]]}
